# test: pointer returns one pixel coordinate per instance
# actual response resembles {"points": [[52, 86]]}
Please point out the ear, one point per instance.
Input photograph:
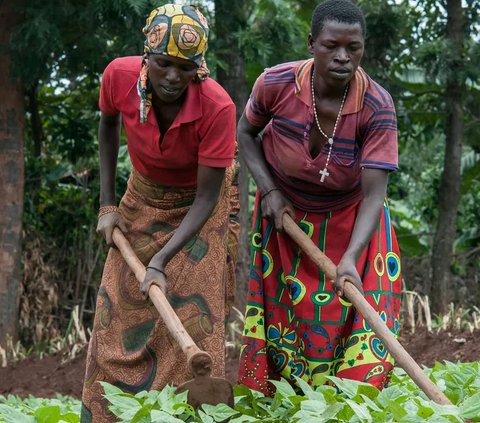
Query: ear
{"points": [[310, 41]]}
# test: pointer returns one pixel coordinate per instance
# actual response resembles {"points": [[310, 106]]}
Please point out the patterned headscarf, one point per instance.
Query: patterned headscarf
{"points": [[177, 31]]}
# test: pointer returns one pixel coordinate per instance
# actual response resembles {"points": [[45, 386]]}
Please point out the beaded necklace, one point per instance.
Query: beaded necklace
{"points": [[325, 172]]}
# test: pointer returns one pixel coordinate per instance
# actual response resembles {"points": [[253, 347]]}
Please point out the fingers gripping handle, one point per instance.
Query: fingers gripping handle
{"points": [[157, 296], [394, 347]]}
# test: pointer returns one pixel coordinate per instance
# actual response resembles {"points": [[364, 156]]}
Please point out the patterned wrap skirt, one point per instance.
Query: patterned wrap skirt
{"points": [[296, 325], [130, 347]]}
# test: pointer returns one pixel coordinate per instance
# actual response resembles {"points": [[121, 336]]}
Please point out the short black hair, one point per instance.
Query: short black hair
{"points": [[343, 11]]}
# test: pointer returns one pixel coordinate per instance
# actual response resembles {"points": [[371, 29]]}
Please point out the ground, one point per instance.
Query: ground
{"points": [[58, 374]]}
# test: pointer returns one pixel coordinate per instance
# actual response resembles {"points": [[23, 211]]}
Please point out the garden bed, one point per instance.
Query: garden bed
{"points": [[57, 374]]}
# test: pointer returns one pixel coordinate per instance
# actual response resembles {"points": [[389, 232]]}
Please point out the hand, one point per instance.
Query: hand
{"points": [[346, 270], [154, 276], [107, 223], [274, 205]]}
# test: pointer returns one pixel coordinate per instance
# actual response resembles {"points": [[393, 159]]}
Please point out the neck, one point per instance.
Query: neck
{"points": [[159, 104], [322, 90], [325, 90]]}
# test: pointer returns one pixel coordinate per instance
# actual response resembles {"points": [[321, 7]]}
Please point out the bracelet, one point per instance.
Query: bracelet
{"points": [[158, 270], [107, 209], [262, 196]]}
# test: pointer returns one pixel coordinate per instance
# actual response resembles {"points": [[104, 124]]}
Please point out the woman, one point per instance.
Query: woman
{"points": [[329, 141], [180, 127]]}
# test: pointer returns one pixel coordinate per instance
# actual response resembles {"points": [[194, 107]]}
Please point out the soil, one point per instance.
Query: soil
{"points": [[57, 374]]}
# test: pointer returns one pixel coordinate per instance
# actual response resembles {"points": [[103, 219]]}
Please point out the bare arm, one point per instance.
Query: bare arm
{"points": [[274, 204], [374, 187], [108, 144], [209, 184]]}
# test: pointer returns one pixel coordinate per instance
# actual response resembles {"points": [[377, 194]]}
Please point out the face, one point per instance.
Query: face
{"points": [[337, 52], [170, 76]]}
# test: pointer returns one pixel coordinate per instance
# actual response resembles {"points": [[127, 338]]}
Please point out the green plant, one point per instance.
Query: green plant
{"points": [[344, 401]]}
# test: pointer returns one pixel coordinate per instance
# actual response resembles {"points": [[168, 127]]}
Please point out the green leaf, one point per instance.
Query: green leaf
{"points": [[243, 419], [370, 403], [48, 414], [347, 386], [204, 418], [332, 410], [396, 409], [367, 390], [159, 416], [304, 386], [314, 408], [219, 412], [284, 388], [360, 410], [424, 411], [70, 418], [470, 408], [131, 412], [110, 389], [11, 415]]}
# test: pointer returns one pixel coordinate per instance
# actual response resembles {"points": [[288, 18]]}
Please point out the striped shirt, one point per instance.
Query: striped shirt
{"points": [[366, 136]]}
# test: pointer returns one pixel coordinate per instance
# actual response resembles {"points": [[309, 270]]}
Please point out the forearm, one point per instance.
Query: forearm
{"points": [[109, 142], [191, 224], [365, 225], [374, 186], [208, 189], [250, 147]]}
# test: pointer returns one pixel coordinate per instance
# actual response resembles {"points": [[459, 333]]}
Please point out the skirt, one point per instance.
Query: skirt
{"points": [[130, 347], [296, 325]]}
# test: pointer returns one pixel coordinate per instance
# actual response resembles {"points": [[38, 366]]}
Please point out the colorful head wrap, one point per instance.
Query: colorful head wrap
{"points": [[177, 31]]}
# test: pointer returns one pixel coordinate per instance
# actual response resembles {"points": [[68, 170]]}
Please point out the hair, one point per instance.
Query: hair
{"points": [[343, 11]]}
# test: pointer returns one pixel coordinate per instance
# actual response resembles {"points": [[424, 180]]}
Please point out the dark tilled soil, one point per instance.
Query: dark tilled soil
{"points": [[54, 374]]}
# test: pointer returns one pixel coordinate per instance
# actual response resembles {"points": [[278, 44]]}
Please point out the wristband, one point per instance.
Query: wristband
{"points": [[262, 196], [106, 210], [158, 270]]}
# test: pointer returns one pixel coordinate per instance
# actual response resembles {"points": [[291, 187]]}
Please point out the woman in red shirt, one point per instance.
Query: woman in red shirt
{"points": [[180, 128]]}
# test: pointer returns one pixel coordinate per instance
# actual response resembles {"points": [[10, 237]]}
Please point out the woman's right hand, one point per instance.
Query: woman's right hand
{"points": [[274, 205], [106, 224], [154, 276]]}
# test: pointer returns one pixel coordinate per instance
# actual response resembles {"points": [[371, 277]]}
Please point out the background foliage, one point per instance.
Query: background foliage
{"points": [[61, 48]]}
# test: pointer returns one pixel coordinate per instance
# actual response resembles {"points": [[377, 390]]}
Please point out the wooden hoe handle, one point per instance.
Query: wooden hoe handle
{"points": [[394, 347], [158, 298]]}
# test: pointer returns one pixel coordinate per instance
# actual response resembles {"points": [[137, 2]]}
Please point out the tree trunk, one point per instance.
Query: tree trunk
{"points": [[449, 196], [11, 179], [230, 17]]}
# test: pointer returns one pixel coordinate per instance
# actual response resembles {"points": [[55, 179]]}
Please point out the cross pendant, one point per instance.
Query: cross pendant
{"points": [[324, 173]]}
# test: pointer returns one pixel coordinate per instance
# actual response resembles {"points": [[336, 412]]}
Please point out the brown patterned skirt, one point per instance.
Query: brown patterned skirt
{"points": [[130, 346]]}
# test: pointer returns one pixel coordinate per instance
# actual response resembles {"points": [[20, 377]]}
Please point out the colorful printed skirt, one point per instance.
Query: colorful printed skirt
{"points": [[130, 347], [296, 326]]}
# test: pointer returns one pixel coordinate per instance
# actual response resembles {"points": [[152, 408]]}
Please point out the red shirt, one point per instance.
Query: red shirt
{"points": [[203, 131], [366, 136]]}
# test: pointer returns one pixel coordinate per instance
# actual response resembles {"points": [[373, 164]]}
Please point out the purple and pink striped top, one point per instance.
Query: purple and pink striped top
{"points": [[366, 136]]}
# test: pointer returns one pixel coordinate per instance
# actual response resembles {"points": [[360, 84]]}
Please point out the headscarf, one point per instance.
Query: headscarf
{"points": [[177, 31]]}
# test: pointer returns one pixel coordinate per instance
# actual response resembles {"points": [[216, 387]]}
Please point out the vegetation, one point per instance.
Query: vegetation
{"points": [[58, 54], [346, 401]]}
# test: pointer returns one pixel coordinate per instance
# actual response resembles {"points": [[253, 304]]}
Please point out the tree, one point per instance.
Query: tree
{"points": [[449, 196], [11, 176], [230, 18], [42, 42]]}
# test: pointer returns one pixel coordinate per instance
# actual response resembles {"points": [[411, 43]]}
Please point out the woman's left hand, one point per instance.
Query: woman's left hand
{"points": [[346, 270], [154, 275]]}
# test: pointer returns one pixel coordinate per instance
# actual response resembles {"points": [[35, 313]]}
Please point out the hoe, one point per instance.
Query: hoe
{"points": [[203, 388]]}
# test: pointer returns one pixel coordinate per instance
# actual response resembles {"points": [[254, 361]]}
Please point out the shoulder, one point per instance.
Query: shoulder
{"points": [[376, 97], [283, 73], [213, 95]]}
